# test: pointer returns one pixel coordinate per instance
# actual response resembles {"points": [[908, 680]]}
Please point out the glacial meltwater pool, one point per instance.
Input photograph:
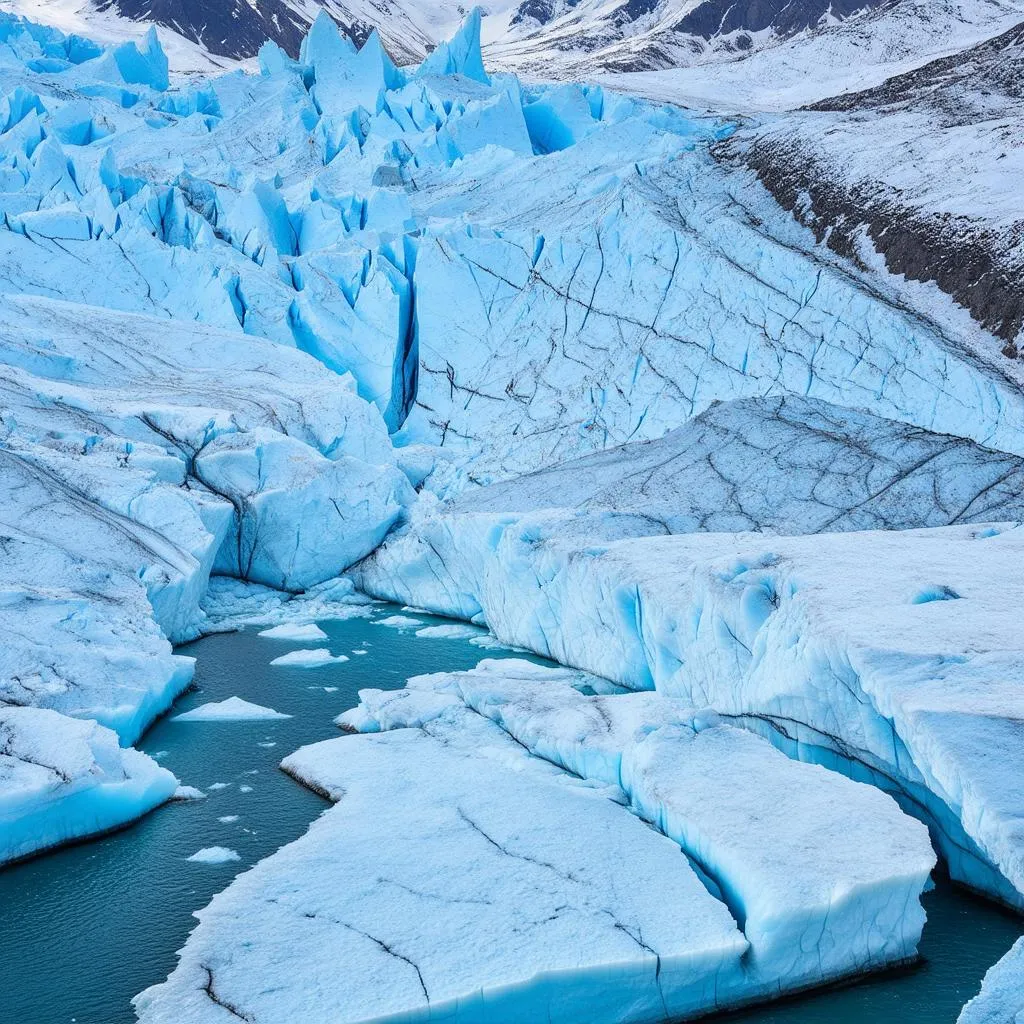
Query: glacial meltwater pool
{"points": [[87, 927]]}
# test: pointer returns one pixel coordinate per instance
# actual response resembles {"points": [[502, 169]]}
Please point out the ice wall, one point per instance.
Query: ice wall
{"points": [[884, 655]]}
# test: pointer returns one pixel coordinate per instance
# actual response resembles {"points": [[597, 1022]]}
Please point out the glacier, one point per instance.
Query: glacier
{"points": [[538, 358], [1001, 999], [529, 921], [904, 674]]}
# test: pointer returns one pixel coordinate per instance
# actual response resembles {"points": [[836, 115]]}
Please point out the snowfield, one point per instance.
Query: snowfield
{"points": [[553, 361]]}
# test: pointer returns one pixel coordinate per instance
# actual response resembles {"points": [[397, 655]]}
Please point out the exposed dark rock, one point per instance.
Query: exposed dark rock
{"points": [[975, 257], [784, 17]]}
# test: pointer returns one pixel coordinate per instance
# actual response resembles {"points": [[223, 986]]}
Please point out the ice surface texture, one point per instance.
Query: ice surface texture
{"points": [[62, 779], [823, 643], [1001, 1000], [533, 920]]}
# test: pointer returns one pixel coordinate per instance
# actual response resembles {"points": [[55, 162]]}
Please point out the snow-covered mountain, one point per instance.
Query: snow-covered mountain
{"points": [[827, 41]]}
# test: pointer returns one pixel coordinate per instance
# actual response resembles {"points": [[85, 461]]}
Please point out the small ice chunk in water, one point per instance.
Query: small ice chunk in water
{"points": [[234, 709], [219, 785], [245, 789], [360, 651], [293, 631], [309, 658], [188, 793], [450, 631], [228, 819], [213, 855], [398, 621]]}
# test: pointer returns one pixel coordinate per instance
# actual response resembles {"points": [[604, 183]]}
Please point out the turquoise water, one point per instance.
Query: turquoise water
{"points": [[87, 927]]}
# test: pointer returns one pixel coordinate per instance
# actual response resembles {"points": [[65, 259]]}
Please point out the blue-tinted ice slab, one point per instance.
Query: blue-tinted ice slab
{"points": [[817, 642], [456, 877], [823, 873], [62, 779], [1001, 999]]}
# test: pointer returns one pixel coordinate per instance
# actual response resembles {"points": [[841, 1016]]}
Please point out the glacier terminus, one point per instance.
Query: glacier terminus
{"points": [[651, 373]]}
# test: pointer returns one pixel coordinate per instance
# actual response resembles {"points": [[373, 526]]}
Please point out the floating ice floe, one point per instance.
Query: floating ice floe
{"points": [[398, 621], [293, 631], [450, 631], [186, 793], [213, 855], [1001, 999], [233, 709], [309, 658], [62, 778], [532, 920]]}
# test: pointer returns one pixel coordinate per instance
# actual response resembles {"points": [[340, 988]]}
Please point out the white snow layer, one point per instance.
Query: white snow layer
{"points": [[234, 709], [483, 883], [1001, 999]]}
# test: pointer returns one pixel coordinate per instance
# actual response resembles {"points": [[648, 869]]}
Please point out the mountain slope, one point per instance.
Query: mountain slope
{"points": [[725, 53], [924, 169]]}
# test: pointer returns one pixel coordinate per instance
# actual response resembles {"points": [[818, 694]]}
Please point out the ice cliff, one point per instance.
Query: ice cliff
{"points": [[484, 883], [244, 319]]}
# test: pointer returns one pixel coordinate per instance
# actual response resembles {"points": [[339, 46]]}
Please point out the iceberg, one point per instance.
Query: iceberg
{"points": [[294, 631], [62, 779], [186, 793], [309, 658], [398, 621], [234, 709]]}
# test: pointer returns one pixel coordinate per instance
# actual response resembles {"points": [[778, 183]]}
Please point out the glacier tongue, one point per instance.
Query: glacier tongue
{"points": [[483, 883], [456, 877], [885, 655]]}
